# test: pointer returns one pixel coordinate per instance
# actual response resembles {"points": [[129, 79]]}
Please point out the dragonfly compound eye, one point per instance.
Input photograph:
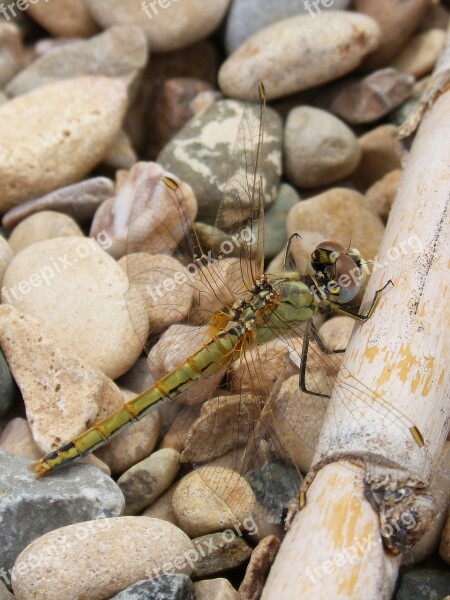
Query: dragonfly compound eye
{"points": [[349, 277]]}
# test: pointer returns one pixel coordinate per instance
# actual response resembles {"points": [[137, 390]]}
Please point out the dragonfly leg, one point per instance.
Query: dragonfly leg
{"points": [[357, 317], [319, 341], [302, 374], [288, 248]]}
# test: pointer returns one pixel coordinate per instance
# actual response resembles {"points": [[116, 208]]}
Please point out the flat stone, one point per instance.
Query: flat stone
{"points": [[167, 25], [372, 97], [63, 394], [66, 126], [258, 568], [120, 53], [67, 19], [335, 43], [126, 550], [132, 445], [420, 55], [164, 587], [12, 55], [397, 20], [219, 552], [212, 499], [201, 154], [219, 589], [172, 109], [247, 17], [142, 193], [424, 584], [275, 220], [8, 387], [79, 201], [319, 149], [340, 215], [144, 482], [121, 155], [381, 195], [53, 279], [42, 226], [382, 152], [29, 508]]}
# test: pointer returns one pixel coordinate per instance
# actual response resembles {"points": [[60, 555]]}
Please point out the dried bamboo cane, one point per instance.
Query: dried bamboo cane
{"points": [[336, 547]]}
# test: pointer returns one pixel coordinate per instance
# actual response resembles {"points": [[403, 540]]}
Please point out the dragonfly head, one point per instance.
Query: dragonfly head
{"points": [[338, 273]]}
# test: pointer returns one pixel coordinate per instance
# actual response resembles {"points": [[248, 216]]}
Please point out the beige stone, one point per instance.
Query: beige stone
{"points": [[421, 53], [6, 255], [219, 589], [42, 226], [126, 550], [381, 195], [382, 152], [56, 135], [65, 18]]}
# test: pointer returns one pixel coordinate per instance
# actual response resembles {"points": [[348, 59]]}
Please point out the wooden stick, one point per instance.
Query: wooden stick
{"points": [[401, 354]]}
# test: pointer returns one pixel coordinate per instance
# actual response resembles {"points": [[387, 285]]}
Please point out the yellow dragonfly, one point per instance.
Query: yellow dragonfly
{"points": [[234, 323]]}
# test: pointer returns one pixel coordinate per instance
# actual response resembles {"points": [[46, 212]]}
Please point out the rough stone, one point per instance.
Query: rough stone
{"points": [[164, 587], [42, 226], [219, 552], [258, 568]]}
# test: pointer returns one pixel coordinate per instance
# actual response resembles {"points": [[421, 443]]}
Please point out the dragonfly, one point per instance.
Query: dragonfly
{"points": [[244, 333]]}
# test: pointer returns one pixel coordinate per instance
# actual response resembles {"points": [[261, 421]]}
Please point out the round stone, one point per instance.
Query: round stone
{"points": [[335, 44], [382, 152], [126, 550], [421, 53], [168, 24], [56, 134], [77, 290], [66, 19], [42, 226], [381, 195], [319, 148]]}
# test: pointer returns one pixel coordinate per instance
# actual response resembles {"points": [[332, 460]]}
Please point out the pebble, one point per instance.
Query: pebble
{"points": [[121, 155], [219, 552], [168, 26], [319, 149], [42, 226], [65, 127], [172, 109], [175, 345], [79, 200], [68, 19], [126, 550], [132, 445], [335, 332], [444, 548], [424, 584], [12, 55], [17, 438], [142, 193], [212, 498], [6, 255], [369, 99], [144, 482], [120, 53], [72, 281], [4, 594], [258, 568], [420, 55], [29, 508], [164, 587], [162, 507], [62, 393], [339, 214], [275, 220], [247, 17], [177, 434], [204, 154], [335, 44], [382, 152], [8, 388], [397, 20], [381, 195], [219, 589], [138, 378]]}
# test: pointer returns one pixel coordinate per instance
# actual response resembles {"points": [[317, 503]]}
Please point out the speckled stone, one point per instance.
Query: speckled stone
{"points": [[29, 507], [424, 584], [246, 17], [120, 53], [219, 552], [275, 220], [65, 18], [258, 568], [126, 550], [168, 25], [164, 587], [79, 201], [335, 44], [66, 126], [219, 589], [42, 226], [319, 149], [202, 152]]}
